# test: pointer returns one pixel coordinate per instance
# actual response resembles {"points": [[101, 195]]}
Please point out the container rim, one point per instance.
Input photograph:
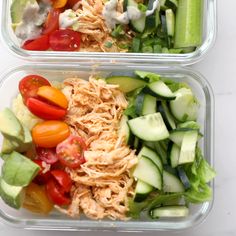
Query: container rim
{"points": [[91, 57], [120, 226]]}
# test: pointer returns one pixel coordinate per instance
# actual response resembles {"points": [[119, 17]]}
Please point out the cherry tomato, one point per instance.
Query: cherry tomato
{"points": [[42, 176], [47, 155], [71, 3], [71, 151], [52, 21], [39, 44], [59, 3], [44, 110], [48, 134], [53, 95], [64, 40], [30, 84], [63, 179], [54, 193], [36, 199]]}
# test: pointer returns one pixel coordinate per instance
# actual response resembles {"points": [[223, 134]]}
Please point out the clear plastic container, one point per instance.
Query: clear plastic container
{"points": [[185, 59], [57, 221]]}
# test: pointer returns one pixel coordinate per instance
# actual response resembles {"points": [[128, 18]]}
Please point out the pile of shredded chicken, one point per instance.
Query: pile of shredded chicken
{"points": [[103, 184], [95, 33]]}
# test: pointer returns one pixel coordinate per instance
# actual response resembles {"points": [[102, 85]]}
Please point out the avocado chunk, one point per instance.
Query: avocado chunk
{"points": [[10, 126], [11, 195], [4, 156], [18, 170], [8, 146], [17, 10]]}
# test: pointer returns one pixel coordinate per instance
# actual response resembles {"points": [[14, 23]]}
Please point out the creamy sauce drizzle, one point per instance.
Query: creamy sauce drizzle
{"points": [[113, 17], [67, 19]]}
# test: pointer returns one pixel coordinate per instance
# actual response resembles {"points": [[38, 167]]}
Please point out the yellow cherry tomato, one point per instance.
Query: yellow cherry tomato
{"points": [[53, 95], [36, 199], [59, 3], [48, 134]]}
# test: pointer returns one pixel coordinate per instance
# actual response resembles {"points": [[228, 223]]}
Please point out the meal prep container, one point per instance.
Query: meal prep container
{"points": [[209, 26], [57, 221]]}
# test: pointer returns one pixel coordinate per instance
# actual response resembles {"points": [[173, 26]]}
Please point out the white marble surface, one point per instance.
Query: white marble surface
{"points": [[219, 67]]}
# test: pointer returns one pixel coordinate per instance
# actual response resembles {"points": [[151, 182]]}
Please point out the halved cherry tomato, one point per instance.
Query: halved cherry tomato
{"points": [[36, 199], [49, 134], [63, 179], [64, 40], [59, 3], [47, 155], [30, 84], [71, 3], [71, 151], [53, 95], [42, 177], [52, 21], [44, 110], [54, 193], [39, 44]]}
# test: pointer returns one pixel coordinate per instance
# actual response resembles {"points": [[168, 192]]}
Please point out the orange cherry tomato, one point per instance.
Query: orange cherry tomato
{"points": [[71, 3], [48, 134], [53, 95], [59, 3]]}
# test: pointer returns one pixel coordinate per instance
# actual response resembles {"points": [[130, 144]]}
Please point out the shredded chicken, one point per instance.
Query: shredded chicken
{"points": [[103, 183], [95, 33]]}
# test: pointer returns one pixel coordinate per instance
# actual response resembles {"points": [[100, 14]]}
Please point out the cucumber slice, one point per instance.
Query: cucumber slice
{"points": [[174, 155], [161, 151], [149, 105], [185, 106], [170, 22], [171, 183], [124, 130], [149, 127], [188, 147], [172, 4], [141, 191], [170, 211], [159, 89], [183, 177], [126, 83], [147, 171], [189, 24], [167, 116], [139, 24], [152, 155]]}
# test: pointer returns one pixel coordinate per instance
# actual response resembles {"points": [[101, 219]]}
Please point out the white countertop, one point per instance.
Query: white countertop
{"points": [[219, 67]]}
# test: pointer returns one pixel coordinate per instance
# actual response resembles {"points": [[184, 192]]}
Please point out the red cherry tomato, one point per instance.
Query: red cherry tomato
{"points": [[30, 84], [64, 40], [71, 151], [47, 154], [42, 176], [39, 44], [44, 110], [52, 21], [54, 193], [63, 179]]}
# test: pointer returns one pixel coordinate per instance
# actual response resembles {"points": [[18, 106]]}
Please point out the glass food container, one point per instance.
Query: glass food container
{"points": [[209, 35], [57, 221]]}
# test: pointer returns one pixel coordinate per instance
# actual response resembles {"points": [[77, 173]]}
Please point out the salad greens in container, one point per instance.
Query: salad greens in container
{"points": [[105, 147], [177, 31]]}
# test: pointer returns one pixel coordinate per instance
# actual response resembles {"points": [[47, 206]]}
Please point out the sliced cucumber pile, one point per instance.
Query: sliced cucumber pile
{"points": [[162, 118]]}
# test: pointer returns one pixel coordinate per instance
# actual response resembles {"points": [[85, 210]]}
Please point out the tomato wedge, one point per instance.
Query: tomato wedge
{"points": [[36, 199], [54, 193], [52, 21], [39, 44], [44, 110], [43, 175], [53, 95], [64, 40], [63, 179], [48, 134], [30, 84], [47, 155], [71, 151]]}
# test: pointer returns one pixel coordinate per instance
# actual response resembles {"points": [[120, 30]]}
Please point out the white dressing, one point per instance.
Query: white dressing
{"points": [[67, 19]]}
